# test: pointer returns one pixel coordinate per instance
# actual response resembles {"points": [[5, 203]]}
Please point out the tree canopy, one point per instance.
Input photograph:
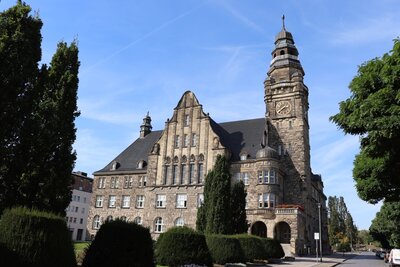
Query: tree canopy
{"points": [[373, 112], [38, 106], [385, 226]]}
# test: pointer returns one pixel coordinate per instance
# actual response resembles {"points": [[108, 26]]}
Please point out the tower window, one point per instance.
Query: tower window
{"points": [[282, 52]]}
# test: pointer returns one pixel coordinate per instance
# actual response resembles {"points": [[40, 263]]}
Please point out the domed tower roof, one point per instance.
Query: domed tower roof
{"points": [[267, 153], [283, 34]]}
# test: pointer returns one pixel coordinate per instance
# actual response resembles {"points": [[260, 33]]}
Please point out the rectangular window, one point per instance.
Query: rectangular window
{"points": [[200, 173], [174, 174], [101, 182], [74, 220], [83, 210], [165, 179], [194, 139], [126, 201], [81, 221], [142, 181], [185, 140], [177, 141], [161, 201], [114, 182], [76, 209], [265, 172], [140, 201], [263, 200], [112, 201], [181, 200], [78, 198], [272, 200], [99, 201], [272, 179], [128, 181], [245, 176], [191, 173], [200, 200], [186, 120], [183, 173], [260, 177]]}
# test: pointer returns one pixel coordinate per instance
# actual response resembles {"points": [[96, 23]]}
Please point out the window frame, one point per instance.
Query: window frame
{"points": [[99, 201], [161, 201], [112, 201], [140, 201], [123, 202], [181, 201]]}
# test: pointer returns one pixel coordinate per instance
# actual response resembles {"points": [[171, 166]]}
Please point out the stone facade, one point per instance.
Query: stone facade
{"points": [[158, 180]]}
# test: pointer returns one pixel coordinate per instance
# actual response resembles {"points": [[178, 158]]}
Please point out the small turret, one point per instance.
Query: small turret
{"points": [[146, 127]]}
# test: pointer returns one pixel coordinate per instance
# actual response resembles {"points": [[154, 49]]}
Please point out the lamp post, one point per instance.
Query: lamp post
{"points": [[320, 232]]}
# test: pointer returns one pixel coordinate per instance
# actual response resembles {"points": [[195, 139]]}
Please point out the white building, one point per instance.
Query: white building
{"points": [[77, 211]]}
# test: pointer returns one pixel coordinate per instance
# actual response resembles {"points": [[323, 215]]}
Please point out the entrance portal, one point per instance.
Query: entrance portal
{"points": [[282, 232], [259, 229]]}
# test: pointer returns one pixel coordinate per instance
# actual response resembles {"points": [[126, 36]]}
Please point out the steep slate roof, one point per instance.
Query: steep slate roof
{"points": [[137, 151], [241, 136], [237, 136]]}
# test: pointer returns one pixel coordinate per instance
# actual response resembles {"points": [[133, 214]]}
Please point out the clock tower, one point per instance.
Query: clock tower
{"points": [[286, 99]]}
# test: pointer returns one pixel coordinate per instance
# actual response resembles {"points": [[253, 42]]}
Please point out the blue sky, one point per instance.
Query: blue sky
{"points": [[139, 56]]}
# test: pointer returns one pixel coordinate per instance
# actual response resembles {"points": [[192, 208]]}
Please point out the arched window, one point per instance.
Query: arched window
{"points": [[141, 164], [109, 218], [158, 225], [123, 218], [179, 222], [138, 220], [96, 222]]}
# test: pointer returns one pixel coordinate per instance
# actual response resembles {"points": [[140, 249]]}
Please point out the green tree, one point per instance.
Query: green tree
{"points": [[36, 148], [214, 217], [385, 226], [238, 208], [373, 112]]}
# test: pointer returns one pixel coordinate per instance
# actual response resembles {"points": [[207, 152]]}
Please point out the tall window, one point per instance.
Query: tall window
{"points": [[165, 179], [200, 199], [183, 173], [112, 201], [142, 181], [126, 201], [161, 201], [200, 173], [193, 140], [114, 182], [101, 182], [138, 220], [174, 173], [99, 201], [191, 173], [186, 120], [140, 201], [96, 222], [272, 200], [158, 225], [177, 141], [185, 140], [181, 200], [245, 178], [179, 222], [266, 200]]}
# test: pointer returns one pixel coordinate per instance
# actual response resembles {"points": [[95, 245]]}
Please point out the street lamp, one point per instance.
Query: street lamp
{"points": [[320, 232]]}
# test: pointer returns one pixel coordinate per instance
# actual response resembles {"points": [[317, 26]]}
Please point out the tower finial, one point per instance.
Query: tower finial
{"points": [[283, 22]]}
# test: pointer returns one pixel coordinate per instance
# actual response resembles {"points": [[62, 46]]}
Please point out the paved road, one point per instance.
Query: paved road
{"points": [[364, 259]]}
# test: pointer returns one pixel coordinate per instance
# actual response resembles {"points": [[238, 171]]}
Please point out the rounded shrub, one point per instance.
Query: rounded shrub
{"points": [[273, 248], [35, 238], [225, 249], [120, 243], [252, 246], [182, 246]]}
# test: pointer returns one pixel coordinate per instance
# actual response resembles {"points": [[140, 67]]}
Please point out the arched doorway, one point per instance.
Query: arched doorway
{"points": [[282, 232], [259, 229]]}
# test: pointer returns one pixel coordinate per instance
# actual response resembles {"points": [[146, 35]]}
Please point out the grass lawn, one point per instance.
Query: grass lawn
{"points": [[80, 246]]}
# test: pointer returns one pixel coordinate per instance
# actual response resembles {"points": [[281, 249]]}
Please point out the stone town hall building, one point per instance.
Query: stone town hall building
{"points": [[158, 180]]}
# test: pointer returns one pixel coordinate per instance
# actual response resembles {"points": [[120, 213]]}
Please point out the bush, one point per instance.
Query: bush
{"points": [[252, 246], [182, 245], [35, 238], [273, 248], [120, 243], [225, 249]]}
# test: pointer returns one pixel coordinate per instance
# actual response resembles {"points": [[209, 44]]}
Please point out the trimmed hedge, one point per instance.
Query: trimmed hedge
{"points": [[34, 238], [225, 249], [252, 247], [181, 246], [120, 243], [273, 248]]}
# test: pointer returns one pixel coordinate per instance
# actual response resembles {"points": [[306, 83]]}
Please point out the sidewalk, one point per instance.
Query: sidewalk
{"points": [[327, 261]]}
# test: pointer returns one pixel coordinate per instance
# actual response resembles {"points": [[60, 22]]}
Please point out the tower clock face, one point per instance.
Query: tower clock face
{"points": [[283, 107]]}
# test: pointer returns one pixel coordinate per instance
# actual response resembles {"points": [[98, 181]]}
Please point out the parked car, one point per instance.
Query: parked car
{"points": [[394, 257]]}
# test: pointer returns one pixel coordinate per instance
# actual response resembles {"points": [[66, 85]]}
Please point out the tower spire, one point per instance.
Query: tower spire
{"points": [[283, 22]]}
